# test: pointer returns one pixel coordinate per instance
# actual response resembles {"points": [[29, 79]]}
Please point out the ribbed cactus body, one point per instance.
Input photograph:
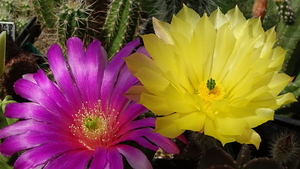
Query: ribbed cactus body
{"points": [[73, 20], [46, 11], [288, 34], [121, 24]]}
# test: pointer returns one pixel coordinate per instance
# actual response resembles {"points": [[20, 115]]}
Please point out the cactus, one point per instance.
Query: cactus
{"points": [[121, 24], [46, 11], [8, 5], [24, 8], [285, 148], [217, 157], [288, 34], [73, 20], [20, 23]]}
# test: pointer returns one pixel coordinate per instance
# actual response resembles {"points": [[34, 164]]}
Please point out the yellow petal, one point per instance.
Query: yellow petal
{"points": [[249, 137], [162, 30], [227, 125], [192, 121], [155, 103], [235, 16], [188, 15], [217, 18], [166, 127], [134, 92]]}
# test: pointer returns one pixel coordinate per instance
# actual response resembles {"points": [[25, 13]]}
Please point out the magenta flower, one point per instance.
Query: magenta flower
{"points": [[82, 120]]}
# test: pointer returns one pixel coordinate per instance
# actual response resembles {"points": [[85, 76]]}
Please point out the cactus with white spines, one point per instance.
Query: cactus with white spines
{"points": [[73, 20], [121, 24]]}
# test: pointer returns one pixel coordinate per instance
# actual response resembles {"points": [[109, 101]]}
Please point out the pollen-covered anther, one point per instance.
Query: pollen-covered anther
{"points": [[93, 126], [211, 90]]}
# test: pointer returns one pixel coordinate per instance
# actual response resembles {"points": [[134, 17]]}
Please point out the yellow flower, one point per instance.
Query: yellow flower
{"points": [[216, 74]]}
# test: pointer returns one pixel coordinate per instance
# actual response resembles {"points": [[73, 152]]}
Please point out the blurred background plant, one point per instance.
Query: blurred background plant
{"points": [[116, 22]]}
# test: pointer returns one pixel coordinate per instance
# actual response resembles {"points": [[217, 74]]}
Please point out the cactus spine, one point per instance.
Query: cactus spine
{"points": [[288, 34], [73, 20], [45, 11], [285, 148]]}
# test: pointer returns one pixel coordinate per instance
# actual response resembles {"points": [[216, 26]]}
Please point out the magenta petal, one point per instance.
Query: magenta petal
{"points": [[73, 160], [143, 51], [124, 82], [136, 135], [75, 52], [147, 122], [114, 159], [132, 111], [29, 140], [99, 160], [135, 157], [163, 142], [24, 126], [62, 75], [52, 91], [110, 74], [95, 64], [42, 154], [36, 112], [33, 92]]}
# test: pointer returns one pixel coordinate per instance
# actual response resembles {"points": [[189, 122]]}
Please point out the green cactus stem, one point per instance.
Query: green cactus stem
{"points": [[121, 24], [73, 20], [288, 35], [46, 11], [285, 11]]}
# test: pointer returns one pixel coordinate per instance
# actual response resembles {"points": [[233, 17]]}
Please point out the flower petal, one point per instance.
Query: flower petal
{"points": [[135, 157], [42, 154], [62, 75], [114, 158], [72, 159], [99, 160]]}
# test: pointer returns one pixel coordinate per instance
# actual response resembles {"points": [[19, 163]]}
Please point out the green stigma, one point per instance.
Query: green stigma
{"points": [[211, 83], [91, 123]]}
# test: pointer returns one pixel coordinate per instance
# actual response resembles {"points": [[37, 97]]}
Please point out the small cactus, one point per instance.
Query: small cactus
{"points": [[285, 148]]}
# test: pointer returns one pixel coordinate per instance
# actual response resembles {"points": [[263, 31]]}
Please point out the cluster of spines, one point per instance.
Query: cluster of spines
{"points": [[285, 149], [121, 24], [73, 20], [285, 11]]}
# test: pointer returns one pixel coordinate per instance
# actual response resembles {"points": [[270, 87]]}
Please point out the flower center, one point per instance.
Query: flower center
{"points": [[211, 90], [93, 126]]}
